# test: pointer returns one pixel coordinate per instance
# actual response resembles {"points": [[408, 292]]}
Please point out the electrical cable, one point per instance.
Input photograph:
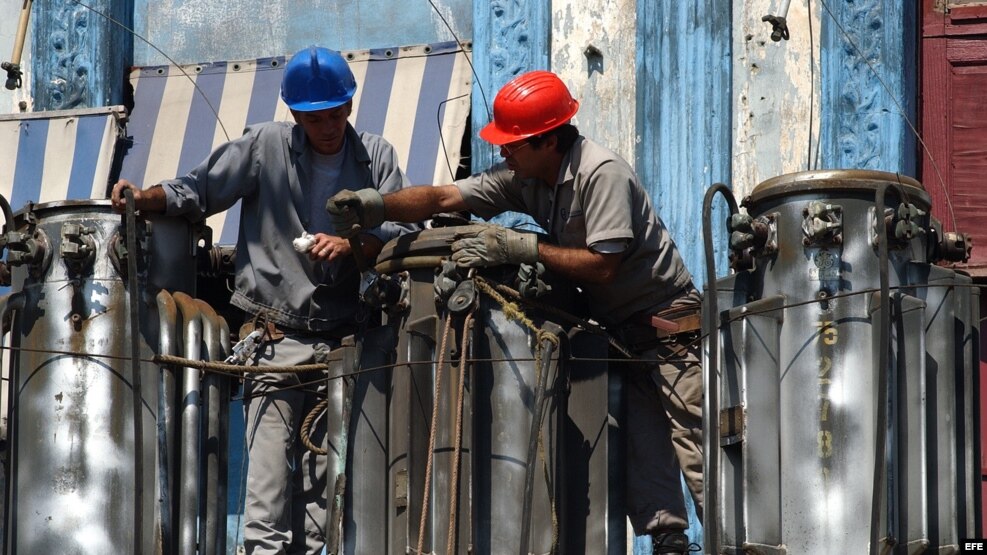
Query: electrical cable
{"points": [[167, 57], [711, 385], [901, 110]]}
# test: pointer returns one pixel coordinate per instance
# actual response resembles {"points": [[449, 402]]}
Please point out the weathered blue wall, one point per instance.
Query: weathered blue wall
{"points": [[775, 93], [841, 93], [683, 117], [81, 53], [510, 38], [206, 30], [685, 108], [869, 87]]}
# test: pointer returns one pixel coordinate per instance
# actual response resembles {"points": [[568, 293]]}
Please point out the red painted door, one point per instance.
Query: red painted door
{"points": [[954, 130], [954, 118]]}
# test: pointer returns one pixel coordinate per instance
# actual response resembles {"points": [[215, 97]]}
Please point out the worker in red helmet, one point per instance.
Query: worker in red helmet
{"points": [[295, 278], [604, 235]]}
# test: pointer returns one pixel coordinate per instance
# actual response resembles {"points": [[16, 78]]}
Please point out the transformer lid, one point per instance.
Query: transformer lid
{"points": [[832, 181], [422, 248]]}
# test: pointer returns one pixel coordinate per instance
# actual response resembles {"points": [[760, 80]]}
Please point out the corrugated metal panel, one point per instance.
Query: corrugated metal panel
{"points": [[417, 97], [47, 156], [683, 118]]}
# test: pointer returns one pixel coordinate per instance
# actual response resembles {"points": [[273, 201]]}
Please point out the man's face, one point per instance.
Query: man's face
{"points": [[325, 129], [526, 160]]}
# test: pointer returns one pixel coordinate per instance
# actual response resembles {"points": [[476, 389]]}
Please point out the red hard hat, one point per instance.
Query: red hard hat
{"points": [[529, 104]]}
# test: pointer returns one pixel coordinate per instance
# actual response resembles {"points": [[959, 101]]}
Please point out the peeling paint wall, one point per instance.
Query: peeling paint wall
{"points": [[775, 93], [191, 31], [593, 44]]}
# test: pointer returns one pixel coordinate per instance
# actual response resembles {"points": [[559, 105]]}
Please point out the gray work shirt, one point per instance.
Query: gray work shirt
{"points": [[597, 200], [269, 170]]}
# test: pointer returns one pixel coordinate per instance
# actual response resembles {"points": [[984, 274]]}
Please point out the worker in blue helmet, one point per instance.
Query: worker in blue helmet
{"points": [[306, 297]]}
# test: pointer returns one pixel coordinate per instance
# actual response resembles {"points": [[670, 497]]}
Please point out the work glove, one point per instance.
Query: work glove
{"points": [[493, 246], [349, 211]]}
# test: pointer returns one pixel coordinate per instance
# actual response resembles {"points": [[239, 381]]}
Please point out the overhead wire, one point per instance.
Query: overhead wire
{"points": [[898, 106], [212, 108], [120, 24], [218, 367]]}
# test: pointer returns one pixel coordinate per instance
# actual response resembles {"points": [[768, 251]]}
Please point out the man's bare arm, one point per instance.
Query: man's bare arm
{"points": [[147, 200], [415, 204], [580, 265]]}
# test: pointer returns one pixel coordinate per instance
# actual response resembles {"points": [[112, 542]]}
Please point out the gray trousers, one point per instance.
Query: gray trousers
{"points": [[664, 419], [285, 504]]}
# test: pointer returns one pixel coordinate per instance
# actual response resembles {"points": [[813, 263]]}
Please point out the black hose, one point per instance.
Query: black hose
{"points": [[712, 385], [168, 342], [131, 230], [8, 303], [8, 215]]}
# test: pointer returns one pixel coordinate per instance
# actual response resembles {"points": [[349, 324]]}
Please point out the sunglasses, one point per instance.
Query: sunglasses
{"points": [[508, 150]]}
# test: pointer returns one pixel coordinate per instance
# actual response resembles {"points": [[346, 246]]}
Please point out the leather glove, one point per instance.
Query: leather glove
{"points": [[493, 246], [349, 211]]}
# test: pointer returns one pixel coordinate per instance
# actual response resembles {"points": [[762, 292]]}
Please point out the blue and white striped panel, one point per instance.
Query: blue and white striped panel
{"points": [[417, 97], [49, 156]]}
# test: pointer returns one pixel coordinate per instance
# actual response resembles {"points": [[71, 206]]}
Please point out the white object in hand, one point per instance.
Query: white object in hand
{"points": [[304, 243]]}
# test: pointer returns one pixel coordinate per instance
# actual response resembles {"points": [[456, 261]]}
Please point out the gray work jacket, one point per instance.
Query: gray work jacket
{"points": [[268, 169]]}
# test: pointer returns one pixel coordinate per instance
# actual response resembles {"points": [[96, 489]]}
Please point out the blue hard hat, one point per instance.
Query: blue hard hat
{"points": [[317, 79]]}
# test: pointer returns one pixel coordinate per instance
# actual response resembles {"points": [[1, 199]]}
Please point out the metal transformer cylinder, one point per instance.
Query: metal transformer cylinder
{"points": [[800, 426], [510, 490], [74, 454]]}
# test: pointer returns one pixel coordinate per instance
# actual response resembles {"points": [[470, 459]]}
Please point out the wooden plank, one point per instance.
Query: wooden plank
{"points": [[954, 126], [968, 150], [966, 51], [942, 18], [933, 18]]}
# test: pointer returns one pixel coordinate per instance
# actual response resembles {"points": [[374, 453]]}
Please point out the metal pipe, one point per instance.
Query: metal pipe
{"points": [[711, 425], [211, 535], [9, 303], [547, 350], [884, 345], [13, 67], [226, 386], [974, 397], [133, 302], [168, 342], [337, 499], [190, 420]]}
